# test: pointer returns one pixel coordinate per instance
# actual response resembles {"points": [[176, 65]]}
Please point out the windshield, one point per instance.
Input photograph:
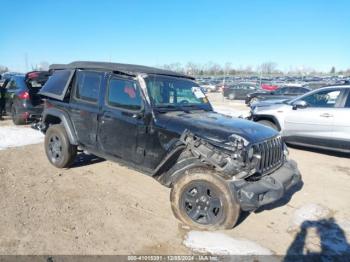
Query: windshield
{"points": [[167, 91]]}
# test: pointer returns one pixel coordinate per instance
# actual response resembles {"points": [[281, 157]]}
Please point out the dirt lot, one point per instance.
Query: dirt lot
{"points": [[99, 207]]}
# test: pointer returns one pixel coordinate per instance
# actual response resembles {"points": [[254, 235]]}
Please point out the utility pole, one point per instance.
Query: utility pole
{"points": [[26, 62]]}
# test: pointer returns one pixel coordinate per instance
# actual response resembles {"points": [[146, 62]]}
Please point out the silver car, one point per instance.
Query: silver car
{"points": [[320, 118]]}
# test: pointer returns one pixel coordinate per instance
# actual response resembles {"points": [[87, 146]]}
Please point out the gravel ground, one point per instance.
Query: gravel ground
{"points": [[99, 207]]}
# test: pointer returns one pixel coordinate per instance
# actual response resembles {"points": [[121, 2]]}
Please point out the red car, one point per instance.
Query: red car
{"points": [[269, 87]]}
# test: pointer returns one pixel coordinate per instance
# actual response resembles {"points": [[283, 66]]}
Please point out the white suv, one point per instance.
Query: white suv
{"points": [[320, 118]]}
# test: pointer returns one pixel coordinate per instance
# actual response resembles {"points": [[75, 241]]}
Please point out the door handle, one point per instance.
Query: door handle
{"points": [[326, 115]]}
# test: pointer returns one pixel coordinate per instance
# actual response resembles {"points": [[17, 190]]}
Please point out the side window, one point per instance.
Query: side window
{"points": [[124, 94], [303, 90], [57, 84], [279, 91], [88, 85], [293, 90], [326, 98], [12, 84]]}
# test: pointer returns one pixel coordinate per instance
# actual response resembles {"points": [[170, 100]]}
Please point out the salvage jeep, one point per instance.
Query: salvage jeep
{"points": [[160, 123]]}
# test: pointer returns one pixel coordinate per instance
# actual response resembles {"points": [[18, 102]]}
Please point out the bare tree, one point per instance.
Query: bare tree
{"points": [[268, 67], [3, 69], [44, 65]]}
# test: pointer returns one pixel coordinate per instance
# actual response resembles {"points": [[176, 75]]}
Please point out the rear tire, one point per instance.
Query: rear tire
{"points": [[202, 199], [16, 119], [268, 123], [60, 152]]}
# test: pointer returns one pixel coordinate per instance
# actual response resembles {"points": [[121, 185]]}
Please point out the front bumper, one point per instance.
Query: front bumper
{"points": [[270, 188]]}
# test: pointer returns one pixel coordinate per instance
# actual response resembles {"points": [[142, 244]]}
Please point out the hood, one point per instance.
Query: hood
{"points": [[269, 102], [214, 126]]}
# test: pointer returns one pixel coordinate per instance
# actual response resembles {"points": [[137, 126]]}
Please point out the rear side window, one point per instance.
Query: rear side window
{"points": [[124, 94], [57, 84], [88, 85]]}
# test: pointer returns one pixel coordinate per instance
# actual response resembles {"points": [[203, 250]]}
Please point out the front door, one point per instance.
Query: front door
{"points": [[313, 124], [121, 121]]}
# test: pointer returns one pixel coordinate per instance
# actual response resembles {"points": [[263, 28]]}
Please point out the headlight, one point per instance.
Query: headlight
{"points": [[237, 141]]}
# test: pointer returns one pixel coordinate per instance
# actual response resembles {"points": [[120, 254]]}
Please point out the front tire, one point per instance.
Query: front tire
{"points": [[202, 199], [60, 152]]}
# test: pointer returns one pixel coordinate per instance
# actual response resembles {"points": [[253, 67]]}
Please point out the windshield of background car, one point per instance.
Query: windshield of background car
{"points": [[173, 91]]}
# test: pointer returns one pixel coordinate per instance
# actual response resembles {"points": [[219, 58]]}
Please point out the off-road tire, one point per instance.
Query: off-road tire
{"points": [[16, 119], [68, 151], [230, 207], [268, 123]]}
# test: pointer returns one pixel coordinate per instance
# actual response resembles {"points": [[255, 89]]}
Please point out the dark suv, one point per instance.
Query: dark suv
{"points": [[160, 123], [21, 96]]}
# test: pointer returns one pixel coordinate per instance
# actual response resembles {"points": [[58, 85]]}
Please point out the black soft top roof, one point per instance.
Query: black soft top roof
{"points": [[122, 68]]}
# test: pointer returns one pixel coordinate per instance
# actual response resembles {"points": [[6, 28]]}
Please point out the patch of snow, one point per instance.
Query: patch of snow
{"points": [[225, 110], [310, 212], [220, 244], [19, 136]]}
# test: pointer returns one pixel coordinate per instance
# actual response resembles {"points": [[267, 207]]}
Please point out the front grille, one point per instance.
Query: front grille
{"points": [[271, 155]]}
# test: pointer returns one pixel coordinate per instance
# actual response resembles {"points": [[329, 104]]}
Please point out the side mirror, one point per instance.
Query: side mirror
{"points": [[300, 104]]}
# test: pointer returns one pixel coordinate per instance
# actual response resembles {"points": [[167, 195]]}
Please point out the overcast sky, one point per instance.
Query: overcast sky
{"points": [[291, 33]]}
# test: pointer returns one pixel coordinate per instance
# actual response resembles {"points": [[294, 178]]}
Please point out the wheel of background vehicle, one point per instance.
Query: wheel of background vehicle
{"points": [[253, 100], [231, 96], [268, 123], [17, 120], [60, 152], [202, 199]]}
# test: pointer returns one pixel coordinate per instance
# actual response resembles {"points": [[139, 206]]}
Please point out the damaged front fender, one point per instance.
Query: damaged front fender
{"points": [[193, 151]]}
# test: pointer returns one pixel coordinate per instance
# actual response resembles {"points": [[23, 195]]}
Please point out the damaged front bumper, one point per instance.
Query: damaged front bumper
{"points": [[270, 188]]}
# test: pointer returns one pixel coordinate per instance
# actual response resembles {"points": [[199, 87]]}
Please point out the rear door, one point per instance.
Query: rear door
{"points": [[341, 129], [314, 124], [121, 122], [84, 106]]}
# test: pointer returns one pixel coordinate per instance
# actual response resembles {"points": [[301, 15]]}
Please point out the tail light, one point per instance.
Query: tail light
{"points": [[24, 95]]}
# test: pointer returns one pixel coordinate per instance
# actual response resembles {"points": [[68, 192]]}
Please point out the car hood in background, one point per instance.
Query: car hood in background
{"points": [[269, 102], [213, 126]]}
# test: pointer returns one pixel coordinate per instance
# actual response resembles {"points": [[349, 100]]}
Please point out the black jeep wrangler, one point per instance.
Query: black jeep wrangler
{"points": [[160, 123]]}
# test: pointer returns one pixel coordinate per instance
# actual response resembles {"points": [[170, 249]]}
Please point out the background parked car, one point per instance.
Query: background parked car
{"points": [[238, 91], [22, 98], [287, 92], [317, 119]]}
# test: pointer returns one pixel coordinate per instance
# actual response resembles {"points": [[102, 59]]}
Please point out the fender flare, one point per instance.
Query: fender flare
{"points": [[65, 120], [273, 119]]}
